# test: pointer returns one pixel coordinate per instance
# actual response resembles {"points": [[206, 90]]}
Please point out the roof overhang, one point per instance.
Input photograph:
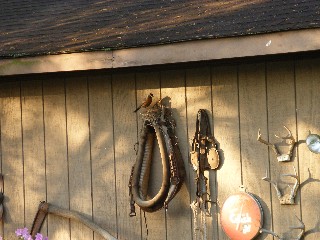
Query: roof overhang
{"points": [[191, 51]]}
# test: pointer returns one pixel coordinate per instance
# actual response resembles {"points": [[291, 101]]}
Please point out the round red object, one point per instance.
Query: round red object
{"points": [[241, 216]]}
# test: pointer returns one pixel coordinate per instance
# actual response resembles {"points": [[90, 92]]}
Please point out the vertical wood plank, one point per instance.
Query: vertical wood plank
{"points": [[12, 166], [1, 117], [79, 154], [281, 111], [198, 91], [102, 154], [125, 136], [147, 83], [179, 213], [33, 148], [254, 155], [54, 106], [226, 131], [308, 117]]}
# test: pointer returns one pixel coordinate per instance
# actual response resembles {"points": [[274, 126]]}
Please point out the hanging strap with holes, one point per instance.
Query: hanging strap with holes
{"points": [[204, 156]]}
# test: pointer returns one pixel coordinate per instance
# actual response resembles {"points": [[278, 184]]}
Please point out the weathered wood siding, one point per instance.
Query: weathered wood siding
{"points": [[69, 140]]}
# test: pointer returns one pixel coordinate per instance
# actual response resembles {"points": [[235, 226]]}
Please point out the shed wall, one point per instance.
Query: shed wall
{"points": [[69, 140]]}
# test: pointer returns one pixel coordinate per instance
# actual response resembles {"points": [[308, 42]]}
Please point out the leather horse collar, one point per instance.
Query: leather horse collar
{"points": [[158, 126]]}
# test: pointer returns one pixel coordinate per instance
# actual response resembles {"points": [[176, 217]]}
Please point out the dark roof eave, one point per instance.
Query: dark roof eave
{"points": [[181, 52], [127, 46]]}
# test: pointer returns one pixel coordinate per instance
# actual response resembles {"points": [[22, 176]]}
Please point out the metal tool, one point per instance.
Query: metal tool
{"points": [[45, 208]]}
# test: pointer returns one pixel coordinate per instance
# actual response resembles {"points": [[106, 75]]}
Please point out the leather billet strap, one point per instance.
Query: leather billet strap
{"points": [[202, 125], [1, 197], [157, 127]]}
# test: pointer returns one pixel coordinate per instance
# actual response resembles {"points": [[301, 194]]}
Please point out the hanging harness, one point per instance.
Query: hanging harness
{"points": [[204, 156], [157, 126]]}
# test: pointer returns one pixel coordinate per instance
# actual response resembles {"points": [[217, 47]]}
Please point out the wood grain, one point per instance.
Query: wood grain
{"points": [[281, 112], [57, 175], [308, 116], [12, 159], [70, 140], [226, 131], [198, 92], [125, 136], [33, 148], [102, 154], [80, 186], [146, 83], [178, 214], [254, 155]]}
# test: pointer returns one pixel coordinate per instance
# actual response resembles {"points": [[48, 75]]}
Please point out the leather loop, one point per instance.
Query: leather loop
{"points": [[159, 127]]}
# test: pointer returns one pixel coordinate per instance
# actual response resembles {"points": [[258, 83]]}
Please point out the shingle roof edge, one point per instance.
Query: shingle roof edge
{"points": [[191, 51]]}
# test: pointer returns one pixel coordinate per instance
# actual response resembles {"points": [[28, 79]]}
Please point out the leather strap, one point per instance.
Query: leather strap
{"points": [[1, 196], [204, 155]]}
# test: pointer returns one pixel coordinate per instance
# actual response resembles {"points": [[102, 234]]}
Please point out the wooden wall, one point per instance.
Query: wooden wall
{"points": [[69, 140]]}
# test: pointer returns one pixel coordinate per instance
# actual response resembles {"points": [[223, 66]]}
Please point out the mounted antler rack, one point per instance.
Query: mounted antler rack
{"points": [[281, 157], [301, 226], [285, 199]]}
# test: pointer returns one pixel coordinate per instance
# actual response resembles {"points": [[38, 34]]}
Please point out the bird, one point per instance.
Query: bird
{"points": [[146, 102]]}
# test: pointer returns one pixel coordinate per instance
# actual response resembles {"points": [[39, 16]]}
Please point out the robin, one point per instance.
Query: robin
{"points": [[146, 102]]}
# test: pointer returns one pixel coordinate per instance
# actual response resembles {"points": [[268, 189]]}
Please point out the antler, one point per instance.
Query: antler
{"points": [[275, 185], [274, 148], [287, 198], [301, 226], [290, 139], [262, 230], [295, 187], [281, 157]]}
